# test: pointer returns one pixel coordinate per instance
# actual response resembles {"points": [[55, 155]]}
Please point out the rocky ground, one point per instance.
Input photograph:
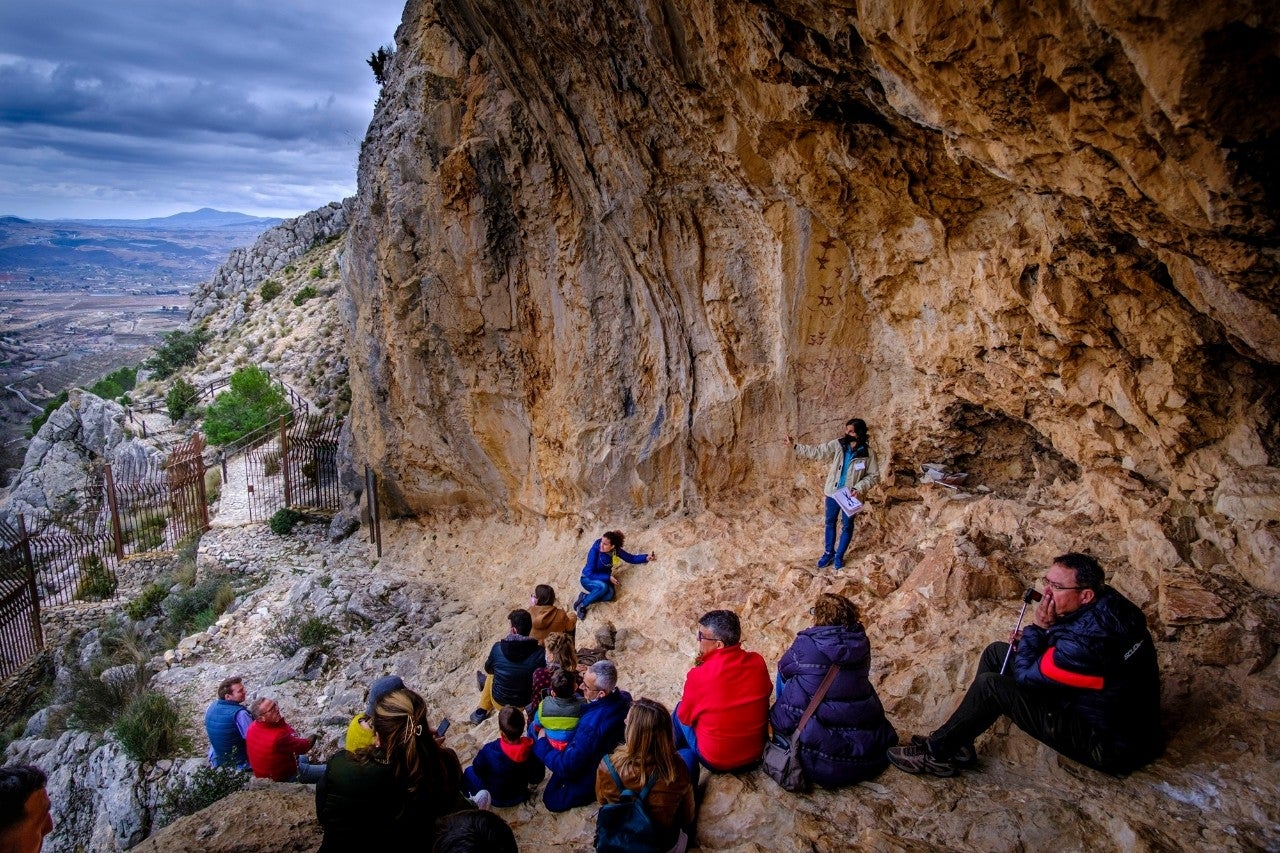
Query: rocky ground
{"points": [[431, 606]]}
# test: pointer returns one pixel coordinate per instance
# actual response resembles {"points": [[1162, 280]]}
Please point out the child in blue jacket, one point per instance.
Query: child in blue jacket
{"points": [[505, 767]]}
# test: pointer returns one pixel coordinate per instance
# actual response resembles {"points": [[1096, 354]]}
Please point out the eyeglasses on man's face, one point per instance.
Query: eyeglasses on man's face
{"points": [[1059, 587], [707, 638]]}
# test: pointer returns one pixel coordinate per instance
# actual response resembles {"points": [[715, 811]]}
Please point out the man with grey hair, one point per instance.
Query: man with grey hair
{"points": [[599, 731], [275, 750]]}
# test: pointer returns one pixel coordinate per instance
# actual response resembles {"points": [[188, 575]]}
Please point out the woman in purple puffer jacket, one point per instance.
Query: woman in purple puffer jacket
{"points": [[845, 740]]}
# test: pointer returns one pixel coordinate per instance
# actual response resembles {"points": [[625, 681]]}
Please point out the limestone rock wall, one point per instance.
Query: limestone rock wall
{"points": [[605, 257], [80, 436], [272, 252]]}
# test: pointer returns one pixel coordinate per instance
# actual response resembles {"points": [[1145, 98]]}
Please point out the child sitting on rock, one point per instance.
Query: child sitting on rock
{"points": [[505, 767], [559, 713]]}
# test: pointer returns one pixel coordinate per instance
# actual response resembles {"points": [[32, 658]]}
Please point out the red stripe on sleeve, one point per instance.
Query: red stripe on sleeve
{"points": [[1050, 670]]}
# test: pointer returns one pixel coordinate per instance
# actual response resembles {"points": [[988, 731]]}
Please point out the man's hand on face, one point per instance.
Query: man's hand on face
{"points": [[1046, 611]]}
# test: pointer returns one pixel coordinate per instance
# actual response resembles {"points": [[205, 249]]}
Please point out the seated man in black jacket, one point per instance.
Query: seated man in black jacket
{"points": [[1084, 681], [510, 667]]}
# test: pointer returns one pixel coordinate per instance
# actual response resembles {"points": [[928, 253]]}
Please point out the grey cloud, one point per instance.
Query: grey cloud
{"points": [[156, 103]]}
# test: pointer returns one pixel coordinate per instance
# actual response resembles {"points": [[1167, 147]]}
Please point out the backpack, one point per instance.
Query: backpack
{"points": [[625, 827]]}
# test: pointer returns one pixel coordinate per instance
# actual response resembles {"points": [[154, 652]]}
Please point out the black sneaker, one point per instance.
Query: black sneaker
{"points": [[965, 757], [480, 680], [478, 716], [825, 560], [916, 759]]}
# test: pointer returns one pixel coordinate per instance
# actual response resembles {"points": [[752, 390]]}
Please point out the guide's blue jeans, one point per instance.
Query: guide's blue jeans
{"points": [[597, 590], [846, 530]]}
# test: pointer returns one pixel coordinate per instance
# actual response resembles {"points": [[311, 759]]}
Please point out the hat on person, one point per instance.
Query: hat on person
{"points": [[381, 687]]}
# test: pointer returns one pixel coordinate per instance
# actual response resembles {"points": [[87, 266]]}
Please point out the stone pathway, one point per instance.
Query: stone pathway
{"points": [[232, 509]]}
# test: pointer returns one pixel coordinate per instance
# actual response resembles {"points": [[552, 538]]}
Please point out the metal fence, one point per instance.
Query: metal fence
{"points": [[153, 505], [20, 635], [296, 468]]}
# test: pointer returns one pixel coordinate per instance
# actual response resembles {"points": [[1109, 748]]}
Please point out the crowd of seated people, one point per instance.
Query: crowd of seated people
{"points": [[1085, 661]]}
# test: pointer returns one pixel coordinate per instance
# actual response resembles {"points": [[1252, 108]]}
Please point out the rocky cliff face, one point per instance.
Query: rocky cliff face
{"points": [[277, 248], [605, 258], [79, 437], [609, 256]]}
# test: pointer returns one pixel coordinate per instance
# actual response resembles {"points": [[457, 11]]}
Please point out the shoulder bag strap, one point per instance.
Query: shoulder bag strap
{"points": [[621, 787], [817, 698], [608, 765]]}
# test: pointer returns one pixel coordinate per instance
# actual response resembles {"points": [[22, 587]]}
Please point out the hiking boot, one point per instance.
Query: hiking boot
{"points": [[478, 716], [580, 612], [915, 758], [965, 757], [480, 680], [825, 560], [838, 564], [482, 799]]}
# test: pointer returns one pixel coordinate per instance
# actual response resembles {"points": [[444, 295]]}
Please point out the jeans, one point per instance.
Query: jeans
{"points": [[846, 530], [686, 743], [597, 590], [308, 773], [1037, 711]]}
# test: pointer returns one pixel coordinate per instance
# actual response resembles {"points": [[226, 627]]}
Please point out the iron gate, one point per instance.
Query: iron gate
{"points": [[297, 468]]}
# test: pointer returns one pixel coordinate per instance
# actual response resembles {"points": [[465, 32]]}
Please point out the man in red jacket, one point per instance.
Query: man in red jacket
{"points": [[722, 717], [275, 750]]}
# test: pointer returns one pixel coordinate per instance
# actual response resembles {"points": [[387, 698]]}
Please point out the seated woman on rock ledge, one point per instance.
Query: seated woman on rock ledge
{"points": [[845, 740], [395, 789]]}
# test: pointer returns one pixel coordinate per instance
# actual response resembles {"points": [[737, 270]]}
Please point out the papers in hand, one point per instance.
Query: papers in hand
{"points": [[847, 501]]}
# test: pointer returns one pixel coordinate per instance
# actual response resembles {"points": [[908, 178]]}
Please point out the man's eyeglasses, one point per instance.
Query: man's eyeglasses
{"points": [[1057, 587], [707, 638]]}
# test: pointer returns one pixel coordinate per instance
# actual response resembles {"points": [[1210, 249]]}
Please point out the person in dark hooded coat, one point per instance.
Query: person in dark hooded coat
{"points": [[845, 740]]}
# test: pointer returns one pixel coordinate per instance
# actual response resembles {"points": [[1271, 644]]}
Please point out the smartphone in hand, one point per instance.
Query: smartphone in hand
{"points": [[443, 727]]}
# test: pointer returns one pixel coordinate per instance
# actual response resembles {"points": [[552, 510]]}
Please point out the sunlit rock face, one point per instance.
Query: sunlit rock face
{"points": [[605, 257]]}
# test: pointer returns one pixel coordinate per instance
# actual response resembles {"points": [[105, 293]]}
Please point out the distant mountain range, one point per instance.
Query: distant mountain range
{"points": [[115, 255], [204, 219]]}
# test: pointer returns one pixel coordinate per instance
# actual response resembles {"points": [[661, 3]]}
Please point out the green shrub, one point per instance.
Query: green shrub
{"points": [[95, 704], [252, 402], [12, 732], [316, 272], [182, 398], [192, 609], [213, 485], [283, 521], [115, 384], [150, 728], [316, 633], [290, 269], [148, 532], [223, 598], [270, 289], [147, 603], [291, 633], [97, 582], [49, 408], [378, 62], [206, 786], [307, 292], [178, 350]]}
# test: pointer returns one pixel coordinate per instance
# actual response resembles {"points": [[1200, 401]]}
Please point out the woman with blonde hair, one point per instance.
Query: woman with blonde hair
{"points": [[396, 788], [648, 754], [560, 655], [846, 738]]}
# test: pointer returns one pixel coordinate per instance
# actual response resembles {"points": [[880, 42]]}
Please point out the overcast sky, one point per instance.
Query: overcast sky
{"points": [[139, 108]]}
